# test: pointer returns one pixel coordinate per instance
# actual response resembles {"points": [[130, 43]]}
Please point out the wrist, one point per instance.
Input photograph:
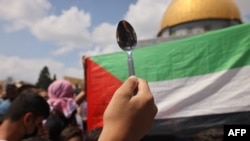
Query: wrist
{"points": [[114, 134]]}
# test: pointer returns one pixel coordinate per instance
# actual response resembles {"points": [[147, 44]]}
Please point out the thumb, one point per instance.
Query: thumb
{"points": [[128, 87]]}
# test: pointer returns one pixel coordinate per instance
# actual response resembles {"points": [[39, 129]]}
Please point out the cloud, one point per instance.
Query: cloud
{"points": [[29, 69], [145, 16], [103, 37], [244, 9], [104, 34], [68, 30], [19, 14]]}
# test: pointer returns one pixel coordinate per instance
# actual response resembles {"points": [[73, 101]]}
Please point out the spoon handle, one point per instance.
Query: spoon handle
{"points": [[130, 63]]}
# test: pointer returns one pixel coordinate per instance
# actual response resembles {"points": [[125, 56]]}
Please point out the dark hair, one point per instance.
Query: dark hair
{"points": [[35, 139], [9, 87], [26, 88], [70, 132], [28, 103], [57, 122], [94, 134], [11, 91]]}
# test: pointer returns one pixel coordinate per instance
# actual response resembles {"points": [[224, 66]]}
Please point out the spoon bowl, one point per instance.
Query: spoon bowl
{"points": [[126, 36], [127, 40]]}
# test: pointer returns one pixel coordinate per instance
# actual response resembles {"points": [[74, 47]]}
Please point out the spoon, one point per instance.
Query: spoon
{"points": [[126, 39]]}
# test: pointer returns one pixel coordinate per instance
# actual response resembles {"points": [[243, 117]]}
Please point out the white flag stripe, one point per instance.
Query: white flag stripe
{"points": [[216, 93]]}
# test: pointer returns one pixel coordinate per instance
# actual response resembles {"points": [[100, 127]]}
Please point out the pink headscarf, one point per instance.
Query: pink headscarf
{"points": [[61, 97]]}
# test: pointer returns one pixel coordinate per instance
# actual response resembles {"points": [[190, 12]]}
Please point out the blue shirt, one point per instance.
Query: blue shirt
{"points": [[4, 107]]}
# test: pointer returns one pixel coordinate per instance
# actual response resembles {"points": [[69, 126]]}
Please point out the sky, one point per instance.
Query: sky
{"points": [[57, 33]]}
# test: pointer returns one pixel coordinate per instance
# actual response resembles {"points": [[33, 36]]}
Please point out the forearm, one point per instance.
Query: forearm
{"points": [[80, 98]]}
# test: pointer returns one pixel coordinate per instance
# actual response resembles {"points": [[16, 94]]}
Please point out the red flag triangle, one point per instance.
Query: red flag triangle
{"points": [[100, 88]]}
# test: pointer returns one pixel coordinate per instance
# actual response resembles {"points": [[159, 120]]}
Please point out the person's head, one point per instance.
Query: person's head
{"points": [[60, 89], [27, 88], [29, 110], [93, 135], [11, 91], [71, 133], [61, 97]]}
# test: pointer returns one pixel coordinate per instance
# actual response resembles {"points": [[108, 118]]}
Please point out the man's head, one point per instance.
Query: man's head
{"points": [[11, 91], [71, 133], [61, 89], [29, 110], [27, 88]]}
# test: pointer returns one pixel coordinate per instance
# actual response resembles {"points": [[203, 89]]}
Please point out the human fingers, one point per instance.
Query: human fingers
{"points": [[142, 92], [128, 87], [145, 96], [143, 88]]}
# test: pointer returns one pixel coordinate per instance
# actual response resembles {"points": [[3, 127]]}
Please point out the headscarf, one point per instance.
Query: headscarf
{"points": [[61, 97]]}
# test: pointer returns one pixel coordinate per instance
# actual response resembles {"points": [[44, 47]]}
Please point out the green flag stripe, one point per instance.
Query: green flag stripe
{"points": [[208, 53]]}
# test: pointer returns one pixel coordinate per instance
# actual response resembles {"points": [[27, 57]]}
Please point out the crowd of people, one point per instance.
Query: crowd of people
{"points": [[55, 114]]}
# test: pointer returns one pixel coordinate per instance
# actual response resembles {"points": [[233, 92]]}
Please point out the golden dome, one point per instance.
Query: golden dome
{"points": [[181, 11]]}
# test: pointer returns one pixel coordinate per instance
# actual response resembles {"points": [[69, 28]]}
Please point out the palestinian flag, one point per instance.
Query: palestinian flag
{"points": [[198, 83]]}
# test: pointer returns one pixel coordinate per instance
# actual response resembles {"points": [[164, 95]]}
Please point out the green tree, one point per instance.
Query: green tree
{"points": [[54, 77], [44, 79]]}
